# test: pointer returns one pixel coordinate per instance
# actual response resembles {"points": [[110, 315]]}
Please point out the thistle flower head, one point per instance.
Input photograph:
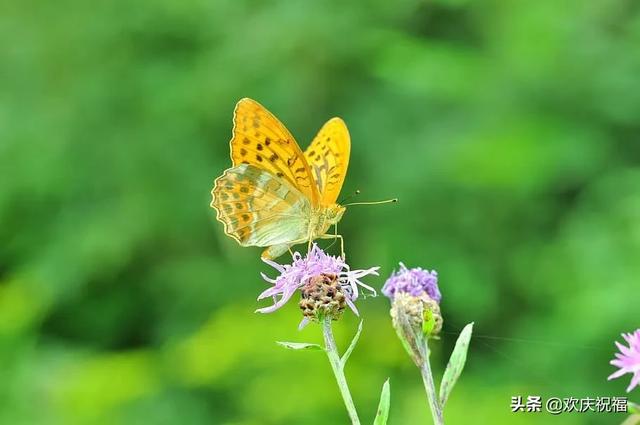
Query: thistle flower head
{"points": [[628, 359], [415, 282], [315, 274], [415, 309]]}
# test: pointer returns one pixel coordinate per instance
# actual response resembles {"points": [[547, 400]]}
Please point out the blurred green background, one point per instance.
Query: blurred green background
{"points": [[509, 131]]}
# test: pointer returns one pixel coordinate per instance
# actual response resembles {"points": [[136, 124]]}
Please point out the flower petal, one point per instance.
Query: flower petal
{"points": [[624, 350], [303, 323], [352, 306], [616, 374], [634, 382]]}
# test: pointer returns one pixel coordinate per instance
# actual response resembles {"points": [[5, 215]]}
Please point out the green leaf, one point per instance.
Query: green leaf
{"points": [[383, 407], [354, 341], [456, 364], [429, 322], [634, 408], [300, 346]]}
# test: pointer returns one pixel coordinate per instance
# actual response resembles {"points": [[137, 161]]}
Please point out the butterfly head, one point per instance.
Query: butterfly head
{"points": [[334, 213]]}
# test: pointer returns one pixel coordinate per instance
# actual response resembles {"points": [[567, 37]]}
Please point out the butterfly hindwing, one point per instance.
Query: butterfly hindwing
{"points": [[260, 139], [259, 209], [328, 158]]}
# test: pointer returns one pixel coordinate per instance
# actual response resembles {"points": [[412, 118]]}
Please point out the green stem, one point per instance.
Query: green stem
{"points": [[338, 370], [429, 386]]}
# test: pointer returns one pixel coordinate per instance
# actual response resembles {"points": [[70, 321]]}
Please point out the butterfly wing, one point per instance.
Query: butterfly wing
{"points": [[261, 140], [328, 158], [259, 209]]}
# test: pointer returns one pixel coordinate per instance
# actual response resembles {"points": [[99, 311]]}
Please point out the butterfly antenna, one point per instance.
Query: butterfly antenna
{"points": [[357, 192], [386, 201]]}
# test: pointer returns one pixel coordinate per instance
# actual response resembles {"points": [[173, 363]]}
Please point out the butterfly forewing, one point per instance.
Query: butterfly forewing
{"points": [[328, 158], [261, 140], [259, 209]]}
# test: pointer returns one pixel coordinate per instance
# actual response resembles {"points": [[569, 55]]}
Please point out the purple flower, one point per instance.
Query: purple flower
{"points": [[294, 276], [414, 282], [628, 359]]}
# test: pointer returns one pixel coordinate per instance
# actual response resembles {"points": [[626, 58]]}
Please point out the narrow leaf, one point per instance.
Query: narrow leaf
{"points": [[383, 407], [299, 346], [354, 341], [634, 408], [456, 364]]}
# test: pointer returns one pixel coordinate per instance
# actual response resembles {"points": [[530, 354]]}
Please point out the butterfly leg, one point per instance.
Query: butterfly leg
{"points": [[342, 253], [310, 239], [336, 236]]}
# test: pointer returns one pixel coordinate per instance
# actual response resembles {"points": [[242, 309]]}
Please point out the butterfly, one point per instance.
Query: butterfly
{"points": [[275, 195]]}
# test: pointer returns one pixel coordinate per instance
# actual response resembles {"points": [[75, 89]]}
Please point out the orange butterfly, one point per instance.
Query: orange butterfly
{"points": [[275, 195]]}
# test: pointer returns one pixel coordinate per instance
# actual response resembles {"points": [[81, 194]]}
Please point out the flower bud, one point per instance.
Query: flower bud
{"points": [[415, 308], [421, 313]]}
